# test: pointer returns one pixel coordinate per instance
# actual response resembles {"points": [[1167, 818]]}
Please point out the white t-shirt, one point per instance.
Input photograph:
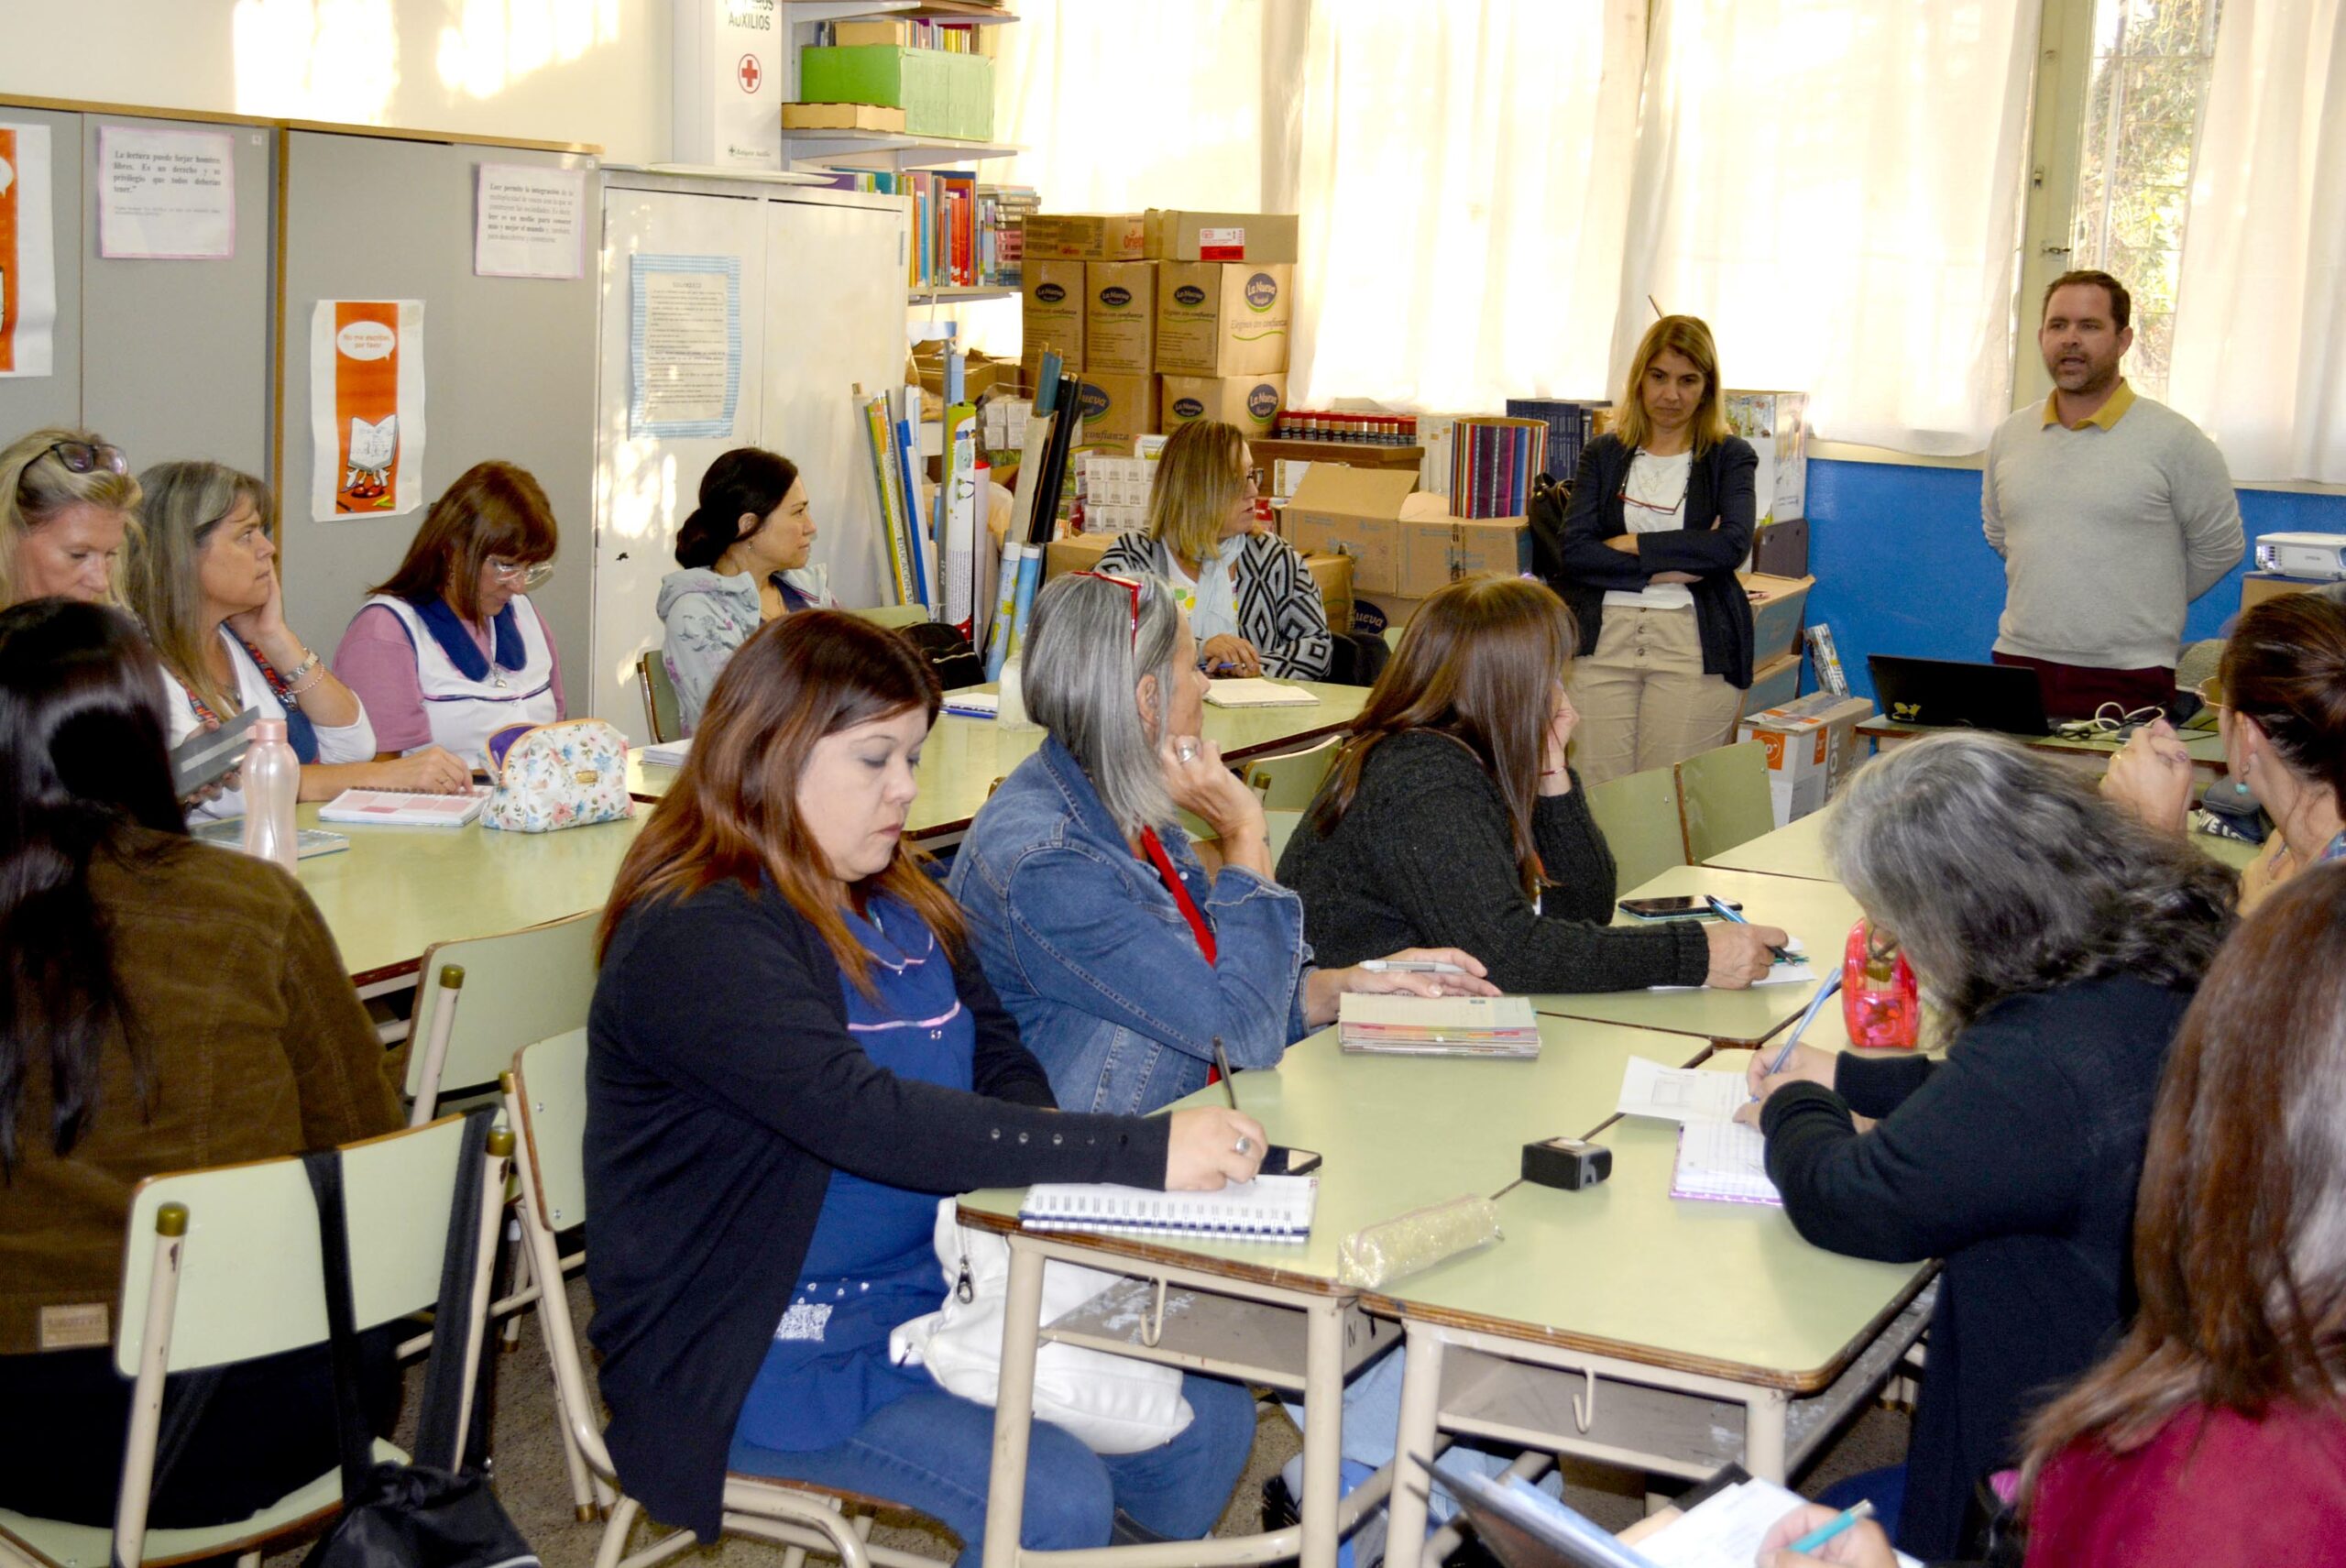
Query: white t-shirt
{"points": [[350, 743], [1653, 501]]}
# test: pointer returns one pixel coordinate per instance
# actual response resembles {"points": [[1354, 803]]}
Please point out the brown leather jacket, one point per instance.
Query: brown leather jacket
{"points": [[257, 1047]]}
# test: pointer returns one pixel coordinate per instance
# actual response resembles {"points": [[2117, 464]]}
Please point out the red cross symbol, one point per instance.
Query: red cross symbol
{"points": [[749, 73]]}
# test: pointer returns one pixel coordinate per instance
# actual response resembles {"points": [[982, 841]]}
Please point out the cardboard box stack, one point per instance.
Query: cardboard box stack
{"points": [[1117, 407], [1812, 745], [1404, 543], [1115, 493], [1250, 402], [942, 92]]}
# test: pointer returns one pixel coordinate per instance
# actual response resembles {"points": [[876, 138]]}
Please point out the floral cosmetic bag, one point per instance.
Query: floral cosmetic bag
{"points": [[566, 775]]}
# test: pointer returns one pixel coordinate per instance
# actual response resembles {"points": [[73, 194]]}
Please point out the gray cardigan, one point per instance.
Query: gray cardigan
{"points": [[1424, 857]]}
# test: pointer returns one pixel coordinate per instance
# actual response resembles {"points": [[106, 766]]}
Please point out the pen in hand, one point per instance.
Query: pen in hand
{"points": [[1229, 1089], [1831, 1528], [1816, 1004], [1725, 912]]}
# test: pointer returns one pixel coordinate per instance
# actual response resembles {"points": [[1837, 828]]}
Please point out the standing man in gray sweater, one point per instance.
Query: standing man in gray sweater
{"points": [[2112, 512]]}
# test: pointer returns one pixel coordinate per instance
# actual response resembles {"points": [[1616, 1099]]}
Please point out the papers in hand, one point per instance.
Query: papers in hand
{"points": [[1726, 1528], [1401, 1024], [1788, 971], [1257, 693], [1679, 1093]]}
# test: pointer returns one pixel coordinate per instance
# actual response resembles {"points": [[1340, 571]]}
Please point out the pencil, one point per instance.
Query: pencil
{"points": [[1832, 1527]]}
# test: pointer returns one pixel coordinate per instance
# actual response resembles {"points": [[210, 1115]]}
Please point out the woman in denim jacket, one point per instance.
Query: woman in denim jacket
{"points": [[1123, 959]]}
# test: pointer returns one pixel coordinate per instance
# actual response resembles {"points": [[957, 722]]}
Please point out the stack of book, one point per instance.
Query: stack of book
{"points": [[1492, 463], [949, 37], [1570, 427], [1437, 1026], [1002, 233]]}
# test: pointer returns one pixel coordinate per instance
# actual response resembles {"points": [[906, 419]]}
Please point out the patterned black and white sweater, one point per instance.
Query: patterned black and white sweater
{"points": [[1278, 604]]}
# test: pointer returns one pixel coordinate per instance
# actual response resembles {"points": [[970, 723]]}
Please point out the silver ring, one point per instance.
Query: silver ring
{"points": [[1246, 1145], [1187, 753]]}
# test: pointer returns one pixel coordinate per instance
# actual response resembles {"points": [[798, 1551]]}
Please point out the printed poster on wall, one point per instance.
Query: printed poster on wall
{"points": [[529, 222], [166, 195], [684, 346], [28, 253], [367, 407]]}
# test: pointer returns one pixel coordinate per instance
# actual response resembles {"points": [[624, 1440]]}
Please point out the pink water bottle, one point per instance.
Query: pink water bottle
{"points": [[272, 779], [1881, 1004]]}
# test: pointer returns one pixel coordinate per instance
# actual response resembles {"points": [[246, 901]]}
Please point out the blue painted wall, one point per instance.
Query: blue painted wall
{"points": [[1901, 566]]}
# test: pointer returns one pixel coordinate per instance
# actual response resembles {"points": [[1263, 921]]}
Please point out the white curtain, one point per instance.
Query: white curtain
{"points": [[2260, 317], [1464, 180], [1835, 186], [1125, 107]]}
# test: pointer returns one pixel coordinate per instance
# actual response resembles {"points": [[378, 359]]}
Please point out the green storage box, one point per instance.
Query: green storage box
{"points": [[941, 94]]}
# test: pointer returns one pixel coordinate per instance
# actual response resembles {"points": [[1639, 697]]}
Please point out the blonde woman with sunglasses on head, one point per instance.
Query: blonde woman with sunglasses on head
{"points": [[66, 504], [450, 650], [202, 577]]}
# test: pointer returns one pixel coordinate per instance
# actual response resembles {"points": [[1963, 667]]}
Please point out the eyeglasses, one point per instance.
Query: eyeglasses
{"points": [[1255, 480], [89, 456], [1130, 586], [519, 573]]}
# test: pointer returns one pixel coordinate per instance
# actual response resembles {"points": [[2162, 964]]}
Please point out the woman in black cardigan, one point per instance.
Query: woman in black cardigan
{"points": [[1661, 516], [2062, 940], [791, 1054]]}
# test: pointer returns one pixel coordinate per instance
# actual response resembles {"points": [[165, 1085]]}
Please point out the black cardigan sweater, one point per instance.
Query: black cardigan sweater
{"points": [[1424, 857], [722, 1090], [2015, 1160], [1720, 493]]}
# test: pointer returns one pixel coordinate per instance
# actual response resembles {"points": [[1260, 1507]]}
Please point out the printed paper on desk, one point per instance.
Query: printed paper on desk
{"points": [[1790, 971], [1257, 693], [1679, 1093]]}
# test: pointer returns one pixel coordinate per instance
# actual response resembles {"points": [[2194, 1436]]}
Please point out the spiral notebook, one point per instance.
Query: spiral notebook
{"points": [[1725, 1162], [1268, 1209]]}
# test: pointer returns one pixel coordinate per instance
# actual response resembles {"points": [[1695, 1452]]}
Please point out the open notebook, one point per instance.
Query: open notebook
{"points": [[1257, 693], [1725, 1162], [396, 809], [1268, 1209]]}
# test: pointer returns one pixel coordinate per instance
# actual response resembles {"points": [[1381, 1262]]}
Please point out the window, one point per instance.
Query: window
{"points": [[2145, 100]]}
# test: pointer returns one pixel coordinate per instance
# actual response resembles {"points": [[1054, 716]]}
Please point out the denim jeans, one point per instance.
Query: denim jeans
{"points": [[934, 1450]]}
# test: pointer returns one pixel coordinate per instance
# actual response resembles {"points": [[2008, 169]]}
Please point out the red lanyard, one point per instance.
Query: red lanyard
{"points": [[1180, 891]]}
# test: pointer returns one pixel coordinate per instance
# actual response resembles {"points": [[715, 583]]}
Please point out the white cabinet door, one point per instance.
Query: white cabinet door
{"points": [[645, 487], [834, 320]]}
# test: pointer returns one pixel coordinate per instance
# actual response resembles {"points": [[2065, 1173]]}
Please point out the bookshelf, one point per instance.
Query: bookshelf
{"points": [[961, 296]]}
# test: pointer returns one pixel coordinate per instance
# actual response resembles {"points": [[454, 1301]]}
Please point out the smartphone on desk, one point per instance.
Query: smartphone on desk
{"points": [[1281, 1160], [1682, 908]]}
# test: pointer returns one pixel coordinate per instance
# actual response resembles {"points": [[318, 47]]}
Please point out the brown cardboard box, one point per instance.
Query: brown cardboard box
{"points": [[1085, 236], [1355, 512], [1394, 609], [896, 35], [1115, 409], [1333, 574], [1437, 549], [1778, 606], [1051, 296], [1773, 684], [1250, 402], [1216, 318], [1812, 745], [1120, 316], [2255, 587], [842, 117], [1174, 235]]}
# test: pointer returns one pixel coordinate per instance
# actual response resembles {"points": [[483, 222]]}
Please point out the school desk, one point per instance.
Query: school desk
{"points": [[396, 890], [965, 757], [1797, 849], [2087, 756], [1397, 1133], [1668, 1335], [1819, 913]]}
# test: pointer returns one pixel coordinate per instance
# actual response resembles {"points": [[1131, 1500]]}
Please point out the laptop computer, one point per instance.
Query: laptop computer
{"points": [[2009, 698]]}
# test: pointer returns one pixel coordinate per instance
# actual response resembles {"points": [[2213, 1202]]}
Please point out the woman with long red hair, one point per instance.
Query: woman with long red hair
{"points": [[792, 1054]]}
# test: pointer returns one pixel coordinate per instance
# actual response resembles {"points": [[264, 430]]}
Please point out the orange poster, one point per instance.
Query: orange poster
{"points": [[367, 406], [28, 257]]}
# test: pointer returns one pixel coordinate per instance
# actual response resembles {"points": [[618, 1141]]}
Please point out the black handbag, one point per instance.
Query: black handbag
{"points": [[949, 654], [438, 1511]]}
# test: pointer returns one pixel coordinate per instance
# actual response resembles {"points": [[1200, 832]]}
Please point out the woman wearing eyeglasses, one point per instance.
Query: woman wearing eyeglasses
{"points": [[1251, 601], [1125, 961], [66, 503], [1660, 516], [203, 577], [450, 650]]}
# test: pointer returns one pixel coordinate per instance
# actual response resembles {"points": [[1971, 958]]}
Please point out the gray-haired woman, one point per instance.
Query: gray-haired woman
{"points": [[2063, 941], [1124, 960]]}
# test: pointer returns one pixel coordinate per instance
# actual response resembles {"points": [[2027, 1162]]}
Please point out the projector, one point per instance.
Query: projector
{"points": [[2303, 554]]}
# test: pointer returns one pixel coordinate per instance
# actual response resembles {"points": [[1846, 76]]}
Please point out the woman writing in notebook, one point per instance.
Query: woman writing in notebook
{"points": [[793, 1052], [2062, 941], [742, 559], [1661, 515], [1452, 819], [450, 651], [203, 576], [1251, 601], [1125, 961]]}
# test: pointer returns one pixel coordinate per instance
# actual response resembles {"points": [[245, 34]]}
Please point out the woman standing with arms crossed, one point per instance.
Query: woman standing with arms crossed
{"points": [[1660, 516]]}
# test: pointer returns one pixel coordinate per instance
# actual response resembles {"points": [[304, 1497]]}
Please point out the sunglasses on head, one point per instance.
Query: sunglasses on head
{"points": [[1130, 586], [89, 456]]}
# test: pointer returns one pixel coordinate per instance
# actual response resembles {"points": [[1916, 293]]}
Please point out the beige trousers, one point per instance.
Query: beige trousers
{"points": [[1643, 699]]}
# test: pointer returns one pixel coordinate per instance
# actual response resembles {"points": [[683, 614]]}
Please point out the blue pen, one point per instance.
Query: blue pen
{"points": [[1832, 984], [1832, 1527], [1726, 912]]}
